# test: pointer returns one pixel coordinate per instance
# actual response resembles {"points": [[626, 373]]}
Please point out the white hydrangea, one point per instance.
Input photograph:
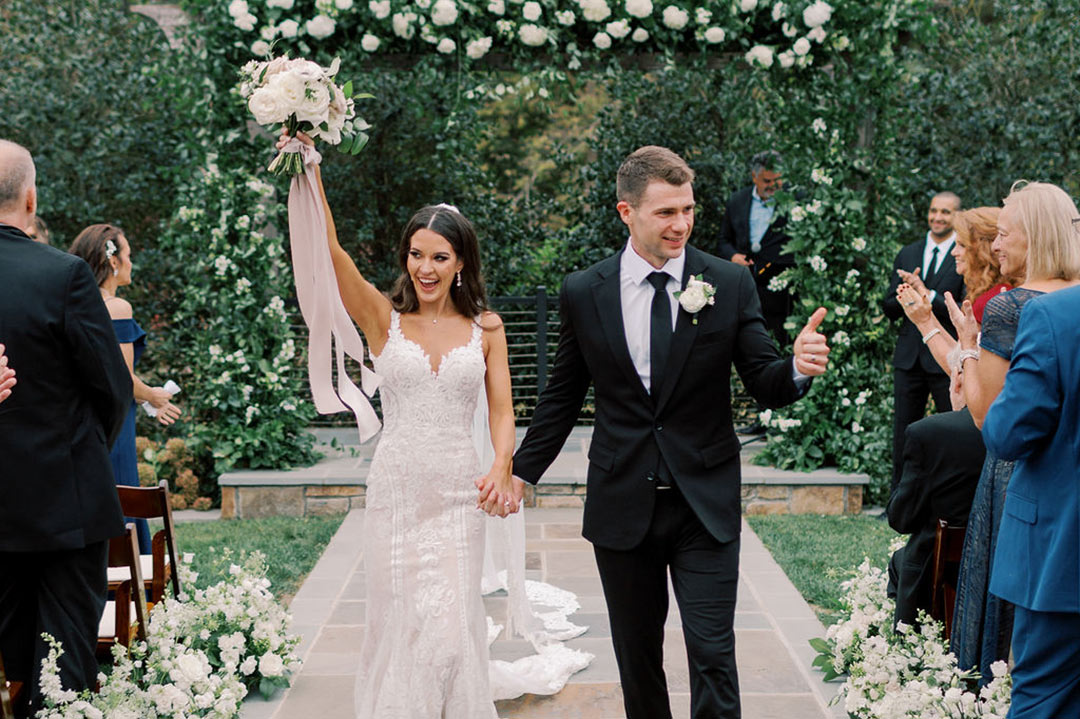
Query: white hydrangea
{"points": [[532, 35], [531, 11], [602, 40], [260, 48], [565, 17], [496, 7], [238, 8], [320, 26], [283, 4], [476, 49], [715, 35], [595, 10], [856, 428], [842, 310], [779, 12], [851, 275], [801, 46], [618, 29], [798, 213], [841, 339], [444, 12], [639, 8], [842, 43], [505, 27], [817, 34], [789, 30], [675, 17], [268, 33], [778, 283], [748, 5], [819, 126], [786, 58], [818, 263], [402, 22], [760, 55], [702, 16], [288, 28], [369, 42], [820, 176], [380, 9], [246, 22], [446, 46], [817, 13], [816, 207], [858, 244], [640, 35]]}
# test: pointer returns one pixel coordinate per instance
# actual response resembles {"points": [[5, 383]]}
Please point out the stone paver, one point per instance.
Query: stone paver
{"points": [[772, 625]]}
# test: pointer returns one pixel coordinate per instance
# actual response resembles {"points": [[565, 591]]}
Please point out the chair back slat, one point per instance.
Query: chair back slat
{"points": [[948, 550], [153, 503]]}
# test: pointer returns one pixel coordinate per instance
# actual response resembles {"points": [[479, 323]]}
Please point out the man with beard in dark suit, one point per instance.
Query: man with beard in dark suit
{"points": [[663, 480], [59, 505], [916, 374]]}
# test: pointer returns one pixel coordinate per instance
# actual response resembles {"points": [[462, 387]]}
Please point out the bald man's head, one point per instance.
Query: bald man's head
{"points": [[17, 176]]}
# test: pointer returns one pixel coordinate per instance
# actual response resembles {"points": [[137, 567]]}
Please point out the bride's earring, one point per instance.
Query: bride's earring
{"points": [[459, 278], [115, 272]]}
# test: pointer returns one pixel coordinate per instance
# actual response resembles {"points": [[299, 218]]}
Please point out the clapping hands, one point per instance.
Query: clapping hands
{"points": [[963, 319]]}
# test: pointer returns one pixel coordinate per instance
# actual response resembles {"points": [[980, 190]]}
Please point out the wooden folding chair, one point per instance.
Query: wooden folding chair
{"points": [[157, 568], [128, 598], [9, 694], [948, 549]]}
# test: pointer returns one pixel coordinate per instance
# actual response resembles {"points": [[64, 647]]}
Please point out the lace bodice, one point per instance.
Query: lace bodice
{"points": [[1001, 319]]}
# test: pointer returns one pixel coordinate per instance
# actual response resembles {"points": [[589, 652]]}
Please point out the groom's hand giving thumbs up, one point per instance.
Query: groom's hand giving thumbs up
{"points": [[811, 349]]}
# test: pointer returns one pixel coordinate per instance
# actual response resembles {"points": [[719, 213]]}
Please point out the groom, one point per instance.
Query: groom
{"points": [[663, 481]]}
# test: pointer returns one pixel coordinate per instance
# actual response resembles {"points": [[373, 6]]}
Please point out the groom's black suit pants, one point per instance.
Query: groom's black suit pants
{"points": [[704, 574]]}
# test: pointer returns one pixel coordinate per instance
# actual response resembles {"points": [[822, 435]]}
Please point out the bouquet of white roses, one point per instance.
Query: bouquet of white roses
{"points": [[303, 96]]}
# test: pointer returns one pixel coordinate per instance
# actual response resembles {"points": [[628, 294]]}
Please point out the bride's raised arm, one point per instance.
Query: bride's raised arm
{"points": [[368, 307]]}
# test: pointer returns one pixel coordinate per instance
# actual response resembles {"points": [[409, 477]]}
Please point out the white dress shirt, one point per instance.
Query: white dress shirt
{"points": [[928, 252], [636, 296]]}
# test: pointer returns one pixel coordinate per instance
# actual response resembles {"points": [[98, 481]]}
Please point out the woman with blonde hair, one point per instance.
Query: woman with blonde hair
{"points": [[1037, 231]]}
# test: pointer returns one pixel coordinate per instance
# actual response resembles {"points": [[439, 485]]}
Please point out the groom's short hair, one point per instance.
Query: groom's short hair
{"points": [[648, 164]]}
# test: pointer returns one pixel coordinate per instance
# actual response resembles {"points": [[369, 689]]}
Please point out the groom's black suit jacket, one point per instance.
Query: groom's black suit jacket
{"points": [[689, 420], [57, 490]]}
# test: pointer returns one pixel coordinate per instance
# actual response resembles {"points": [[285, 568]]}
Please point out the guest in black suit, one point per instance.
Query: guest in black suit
{"points": [[663, 479], [916, 375], [59, 506], [752, 235], [943, 456]]}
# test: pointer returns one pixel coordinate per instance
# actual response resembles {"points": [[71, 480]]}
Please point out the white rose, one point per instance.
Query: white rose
{"points": [[248, 666], [786, 58], [403, 25], [565, 17], [369, 42], [246, 22], [496, 7], [444, 12], [640, 35], [476, 49], [270, 665], [188, 668], [320, 26], [693, 298], [594, 10], [343, 4], [715, 35], [788, 29], [618, 29], [817, 14], [779, 12], [817, 34], [289, 86], [380, 9], [532, 35], [801, 46], [288, 28], [238, 8], [760, 55], [446, 46], [639, 8], [747, 5], [675, 17], [260, 48], [602, 40], [531, 11], [267, 107]]}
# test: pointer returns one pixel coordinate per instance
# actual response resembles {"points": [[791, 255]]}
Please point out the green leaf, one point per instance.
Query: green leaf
{"points": [[821, 645], [359, 141], [364, 96], [346, 143], [347, 90], [267, 687]]}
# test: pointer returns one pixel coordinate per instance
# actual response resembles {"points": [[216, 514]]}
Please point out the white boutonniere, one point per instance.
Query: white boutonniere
{"points": [[697, 294]]}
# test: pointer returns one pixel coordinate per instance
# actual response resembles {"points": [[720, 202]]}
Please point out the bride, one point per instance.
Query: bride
{"points": [[438, 351]]}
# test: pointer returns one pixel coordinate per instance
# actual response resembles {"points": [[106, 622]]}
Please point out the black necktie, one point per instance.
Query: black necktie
{"points": [[659, 330], [931, 267]]}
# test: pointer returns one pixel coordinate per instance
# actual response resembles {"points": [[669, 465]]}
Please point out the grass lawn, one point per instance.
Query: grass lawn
{"points": [[817, 552], [292, 545]]}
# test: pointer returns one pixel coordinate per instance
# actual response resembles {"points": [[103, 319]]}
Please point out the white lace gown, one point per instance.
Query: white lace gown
{"points": [[425, 653]]}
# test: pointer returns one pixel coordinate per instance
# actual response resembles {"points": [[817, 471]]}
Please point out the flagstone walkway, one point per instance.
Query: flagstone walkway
{"points": [[772, 622]]}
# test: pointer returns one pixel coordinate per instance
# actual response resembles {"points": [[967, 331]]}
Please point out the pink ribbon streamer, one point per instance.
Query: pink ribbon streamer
{"points": [[330, 329]]}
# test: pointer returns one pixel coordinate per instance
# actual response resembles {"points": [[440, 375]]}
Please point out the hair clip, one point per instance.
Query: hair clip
{"points": [[110, 249]]}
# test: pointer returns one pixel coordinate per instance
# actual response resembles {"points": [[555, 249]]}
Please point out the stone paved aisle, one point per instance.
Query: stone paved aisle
{"points": [[772, 623]]}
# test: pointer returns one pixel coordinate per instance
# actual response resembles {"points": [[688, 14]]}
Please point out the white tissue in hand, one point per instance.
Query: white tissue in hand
{"points": [[171, 387]]}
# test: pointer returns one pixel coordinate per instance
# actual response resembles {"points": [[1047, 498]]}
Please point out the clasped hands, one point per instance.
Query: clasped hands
{"points": [[499, 493]]}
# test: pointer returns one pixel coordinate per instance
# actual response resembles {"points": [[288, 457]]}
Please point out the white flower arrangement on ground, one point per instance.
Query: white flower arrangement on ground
{"points": [[901, 673], [202, 656], [303, 96]]}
